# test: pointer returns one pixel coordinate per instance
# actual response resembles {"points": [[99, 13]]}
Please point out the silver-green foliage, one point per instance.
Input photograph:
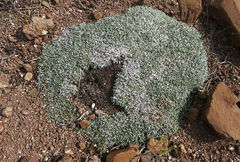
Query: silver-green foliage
{"points": [[163, 62]]}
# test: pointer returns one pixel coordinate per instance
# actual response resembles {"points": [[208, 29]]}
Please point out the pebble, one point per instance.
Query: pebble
{"points": [[230, 148], [84, 123], [1, 137], [93, 105], [12, 39], [27, 67], [99, 112], [82, 146], [69, 152], [182, 148], [7, 112], [93, 116], [80, 111], [25, 112], [28, 76], [97, 15], [37, 41], [1, 128], [33, 92], [238, 150]]}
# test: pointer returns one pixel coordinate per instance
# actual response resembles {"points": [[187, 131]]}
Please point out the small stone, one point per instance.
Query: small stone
{"points": [[69, 152], [12, 39], [27, 67], [192, 114], [25, 112], [66, 159], [7, 112], [81, 110], [182, 148], [1, 128], [93, 116], [123, 155], [230, 148], [94, 158], [84, 123], [222, 111], [93, 105], [37, 42], [156, 146], [1, 137], [97, 15], [82, 146], [99, 112], [33, 92], [46, 4], [180, 151], [28, 76]]}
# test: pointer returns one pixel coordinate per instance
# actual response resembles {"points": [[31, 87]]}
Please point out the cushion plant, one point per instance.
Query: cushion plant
{"points": [[163, 60]]}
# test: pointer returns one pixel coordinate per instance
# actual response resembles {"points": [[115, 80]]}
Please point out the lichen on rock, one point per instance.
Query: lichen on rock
{"points": [[163, 60]]}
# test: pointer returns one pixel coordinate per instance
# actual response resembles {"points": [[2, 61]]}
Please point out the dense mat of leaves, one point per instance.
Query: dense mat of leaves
{"points": [[164, 61]]}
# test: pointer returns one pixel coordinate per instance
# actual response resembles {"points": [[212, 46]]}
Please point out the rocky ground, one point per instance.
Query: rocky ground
{"points": [[26, 131]]}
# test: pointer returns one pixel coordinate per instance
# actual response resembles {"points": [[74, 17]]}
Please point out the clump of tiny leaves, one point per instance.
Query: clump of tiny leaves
{"points": [[163, 60]]}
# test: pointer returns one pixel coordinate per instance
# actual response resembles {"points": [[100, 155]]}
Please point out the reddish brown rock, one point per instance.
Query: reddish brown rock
{"points": [[155, 146], [84, 123], [223, 113], [190, 10], [227, 12], [1, 128], [38, 27], [124, 155], [97, 15]]}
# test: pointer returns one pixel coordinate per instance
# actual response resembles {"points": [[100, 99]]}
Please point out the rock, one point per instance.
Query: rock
{"points": [[94, 158], [7, 112], [84, 123], [222, 111], [59, 1], [180, 151], [155, 146], [99, 112], [33, 92], [1, 128], [27, 67], [238, 150], [28, 76], [46, 4], [93, 116], [82, 145], [28, 159], [37, 41], [38, 27], [123, 155], [69, 152], [66, 159], [192, 114], [97, 15], [230, 148], [182, 148], [12, 39], [4, 81], [81, 110], [227, 12], [190, 10], [25, 112]]}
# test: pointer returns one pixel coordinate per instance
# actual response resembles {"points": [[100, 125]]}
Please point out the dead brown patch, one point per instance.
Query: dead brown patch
{"points": [[97, 88]]}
